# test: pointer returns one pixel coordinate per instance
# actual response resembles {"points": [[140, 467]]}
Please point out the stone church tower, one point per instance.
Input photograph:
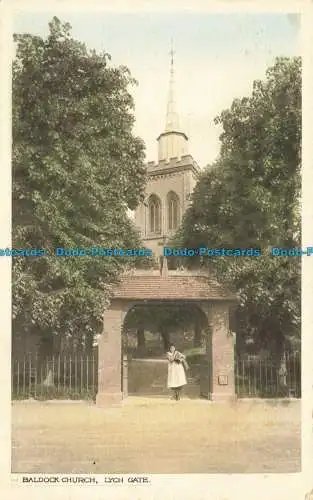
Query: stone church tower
{"points": [[171, 180]]}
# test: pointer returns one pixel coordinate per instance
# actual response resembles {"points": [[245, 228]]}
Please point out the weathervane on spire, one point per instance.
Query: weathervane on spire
{"points": [[172, 142], [172, 53], [171, 114]]}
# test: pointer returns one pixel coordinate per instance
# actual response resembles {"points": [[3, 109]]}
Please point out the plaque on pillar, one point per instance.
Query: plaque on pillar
{"points": [[223, 380]]}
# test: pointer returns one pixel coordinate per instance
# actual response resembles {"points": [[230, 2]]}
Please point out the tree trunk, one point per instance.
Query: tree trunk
{"points": [[48, 382], [197, 335], [46, 345], [89, 344], [165, 338], [45, 356], [141, 341], [281, 368]]}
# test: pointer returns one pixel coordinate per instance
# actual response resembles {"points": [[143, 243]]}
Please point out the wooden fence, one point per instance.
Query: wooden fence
{"points": [[76, 377]]}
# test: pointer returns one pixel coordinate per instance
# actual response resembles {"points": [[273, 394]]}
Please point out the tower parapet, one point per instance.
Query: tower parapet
{"points": [[185, 161]]}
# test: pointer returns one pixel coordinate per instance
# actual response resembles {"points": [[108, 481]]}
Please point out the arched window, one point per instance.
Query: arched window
{"points": [[154, 206], [173, 210]]}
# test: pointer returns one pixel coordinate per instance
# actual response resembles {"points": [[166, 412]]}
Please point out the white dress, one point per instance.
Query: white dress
{"points": [[176, 376]]}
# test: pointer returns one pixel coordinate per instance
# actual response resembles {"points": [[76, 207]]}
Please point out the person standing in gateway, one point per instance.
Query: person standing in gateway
{"points": [[176, 375]]}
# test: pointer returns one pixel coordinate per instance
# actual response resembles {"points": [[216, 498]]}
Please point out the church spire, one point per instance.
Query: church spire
{"points": [[172, 142], [172, 121]]}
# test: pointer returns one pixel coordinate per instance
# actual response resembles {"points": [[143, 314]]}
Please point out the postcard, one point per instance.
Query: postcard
{"points": [[157, 244]]}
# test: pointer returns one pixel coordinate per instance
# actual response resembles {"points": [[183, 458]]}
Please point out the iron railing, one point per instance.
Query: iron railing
{"points": [[56, 377], [76, 377], [255, 377]]}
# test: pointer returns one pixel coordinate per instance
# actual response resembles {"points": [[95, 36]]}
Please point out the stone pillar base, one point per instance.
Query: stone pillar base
{"points": [[216, 397], [107, 399], [222, 397]]}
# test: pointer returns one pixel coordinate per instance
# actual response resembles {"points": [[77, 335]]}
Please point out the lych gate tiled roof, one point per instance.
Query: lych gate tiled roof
{"points": [[150, 285]]}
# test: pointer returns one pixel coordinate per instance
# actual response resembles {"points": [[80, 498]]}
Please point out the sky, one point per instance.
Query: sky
{"points": [[217, 57]]}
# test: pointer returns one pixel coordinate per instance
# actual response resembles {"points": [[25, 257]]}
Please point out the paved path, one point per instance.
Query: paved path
{"points": [[151, 435]]}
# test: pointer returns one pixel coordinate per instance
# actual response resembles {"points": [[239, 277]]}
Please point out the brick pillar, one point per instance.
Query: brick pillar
{"points": [[223, 362], [206, 367], [219, 385], [110, 356]]}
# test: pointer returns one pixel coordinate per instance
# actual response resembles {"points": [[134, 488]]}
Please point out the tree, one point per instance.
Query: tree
{"points": [[77, 168], [250, 198], [165, 320]]}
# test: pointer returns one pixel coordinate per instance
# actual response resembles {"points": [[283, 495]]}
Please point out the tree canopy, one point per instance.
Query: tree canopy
{"points": [[77, 169], [166, 320], [250, 198]]}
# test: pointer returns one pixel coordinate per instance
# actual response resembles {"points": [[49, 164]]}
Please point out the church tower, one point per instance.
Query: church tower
{"points": [[171, 180]]}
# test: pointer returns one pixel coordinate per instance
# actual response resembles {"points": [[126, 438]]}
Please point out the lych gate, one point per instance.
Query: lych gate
{"points": [[146, 287]]}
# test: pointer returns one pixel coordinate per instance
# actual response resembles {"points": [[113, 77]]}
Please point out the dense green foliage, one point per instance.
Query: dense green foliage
{"points": [[77, 169], [166, 320], [250, 198]]}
